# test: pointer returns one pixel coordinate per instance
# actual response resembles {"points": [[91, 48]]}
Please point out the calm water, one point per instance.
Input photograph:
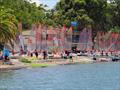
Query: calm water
{"points": [[101, 76]]}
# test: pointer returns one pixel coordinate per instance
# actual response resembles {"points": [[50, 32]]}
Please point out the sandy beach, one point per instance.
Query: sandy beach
{"points": [[49, 62]]}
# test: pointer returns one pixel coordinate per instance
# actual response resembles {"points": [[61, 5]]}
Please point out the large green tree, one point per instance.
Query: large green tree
{"points": [[85, 12], [25, 11], [101, 15], [8, 27]]}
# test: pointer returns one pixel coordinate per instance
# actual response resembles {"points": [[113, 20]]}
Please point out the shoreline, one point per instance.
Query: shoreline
{"points": [[46, 63], [11, 67]]}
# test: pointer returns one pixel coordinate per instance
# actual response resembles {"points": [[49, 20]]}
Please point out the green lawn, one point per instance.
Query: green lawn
{"points": [[35, 65]]}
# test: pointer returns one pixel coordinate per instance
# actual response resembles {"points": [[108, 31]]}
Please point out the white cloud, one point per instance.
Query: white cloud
{"points": [[37, 1], [49, 3]]}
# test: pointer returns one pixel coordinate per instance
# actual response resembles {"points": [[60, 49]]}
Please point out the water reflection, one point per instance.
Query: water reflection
{"points": [[101, 76], [6, 74]]}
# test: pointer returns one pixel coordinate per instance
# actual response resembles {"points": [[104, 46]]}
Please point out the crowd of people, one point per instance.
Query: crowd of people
{"points": [[4, 55]]}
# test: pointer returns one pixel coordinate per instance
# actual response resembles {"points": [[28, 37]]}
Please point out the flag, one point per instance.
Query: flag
{"points": [[70, 29]]}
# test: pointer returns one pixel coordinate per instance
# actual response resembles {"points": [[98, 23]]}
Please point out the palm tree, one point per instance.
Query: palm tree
{"points": [[7, 26]]}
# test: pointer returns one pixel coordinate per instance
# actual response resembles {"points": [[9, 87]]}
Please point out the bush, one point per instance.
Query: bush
{"points": [[24, 60]]}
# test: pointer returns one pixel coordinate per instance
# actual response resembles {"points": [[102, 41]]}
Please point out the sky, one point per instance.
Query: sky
{"points": [[49, 3]]}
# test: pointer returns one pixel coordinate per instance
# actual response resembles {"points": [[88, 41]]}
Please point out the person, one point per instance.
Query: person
{"points": [[111, 53], [1, 56], [61, 55], [6, 53], [67, 53], [91, 52], [102, 53], [106, 53], [70, 56], [36, 53], [31, 54], [94, 56], [44, 55], [12, 52], [6, 56], [21, 51]]}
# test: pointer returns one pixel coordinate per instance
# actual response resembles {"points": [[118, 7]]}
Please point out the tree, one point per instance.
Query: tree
{"points": [[8, 27], [26, 12], [99, 14]]}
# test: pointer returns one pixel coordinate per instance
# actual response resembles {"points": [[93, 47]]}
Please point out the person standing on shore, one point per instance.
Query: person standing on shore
{"points": [[102, 53], [36, 53], [44, 55], [6, 53], [1, 56], [31, 54], [94, 55], [70, 56]]}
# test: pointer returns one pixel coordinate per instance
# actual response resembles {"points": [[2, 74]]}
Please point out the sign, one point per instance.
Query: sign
{"points": [[74, 23]]}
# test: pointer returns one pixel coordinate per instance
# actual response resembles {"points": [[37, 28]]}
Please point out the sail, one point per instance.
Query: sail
{"points": [[82, 40], [38, 32], [85, 40], [62, 38], [89, 40], [68, 39], [107, 41], [31, 43], [21, 38], [113, 42]]}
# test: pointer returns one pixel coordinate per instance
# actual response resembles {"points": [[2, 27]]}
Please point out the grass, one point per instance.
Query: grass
{"points": [[35, 65]]}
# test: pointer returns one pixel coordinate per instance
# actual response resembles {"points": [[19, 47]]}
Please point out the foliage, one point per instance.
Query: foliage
{"points": [[115, 29], [8, 27], [85, 12], [35, 65], [25, 11], [98, 14], [25, 60]]}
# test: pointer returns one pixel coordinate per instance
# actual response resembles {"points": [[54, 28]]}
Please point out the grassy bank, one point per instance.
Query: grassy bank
{"points": [[36, 65]]}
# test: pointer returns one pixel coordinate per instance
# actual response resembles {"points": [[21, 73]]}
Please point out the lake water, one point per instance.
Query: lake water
{"points": [[97, 76]]}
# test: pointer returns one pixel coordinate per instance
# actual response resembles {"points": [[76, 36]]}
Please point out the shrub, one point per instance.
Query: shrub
{"points": [[24, 60]]}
